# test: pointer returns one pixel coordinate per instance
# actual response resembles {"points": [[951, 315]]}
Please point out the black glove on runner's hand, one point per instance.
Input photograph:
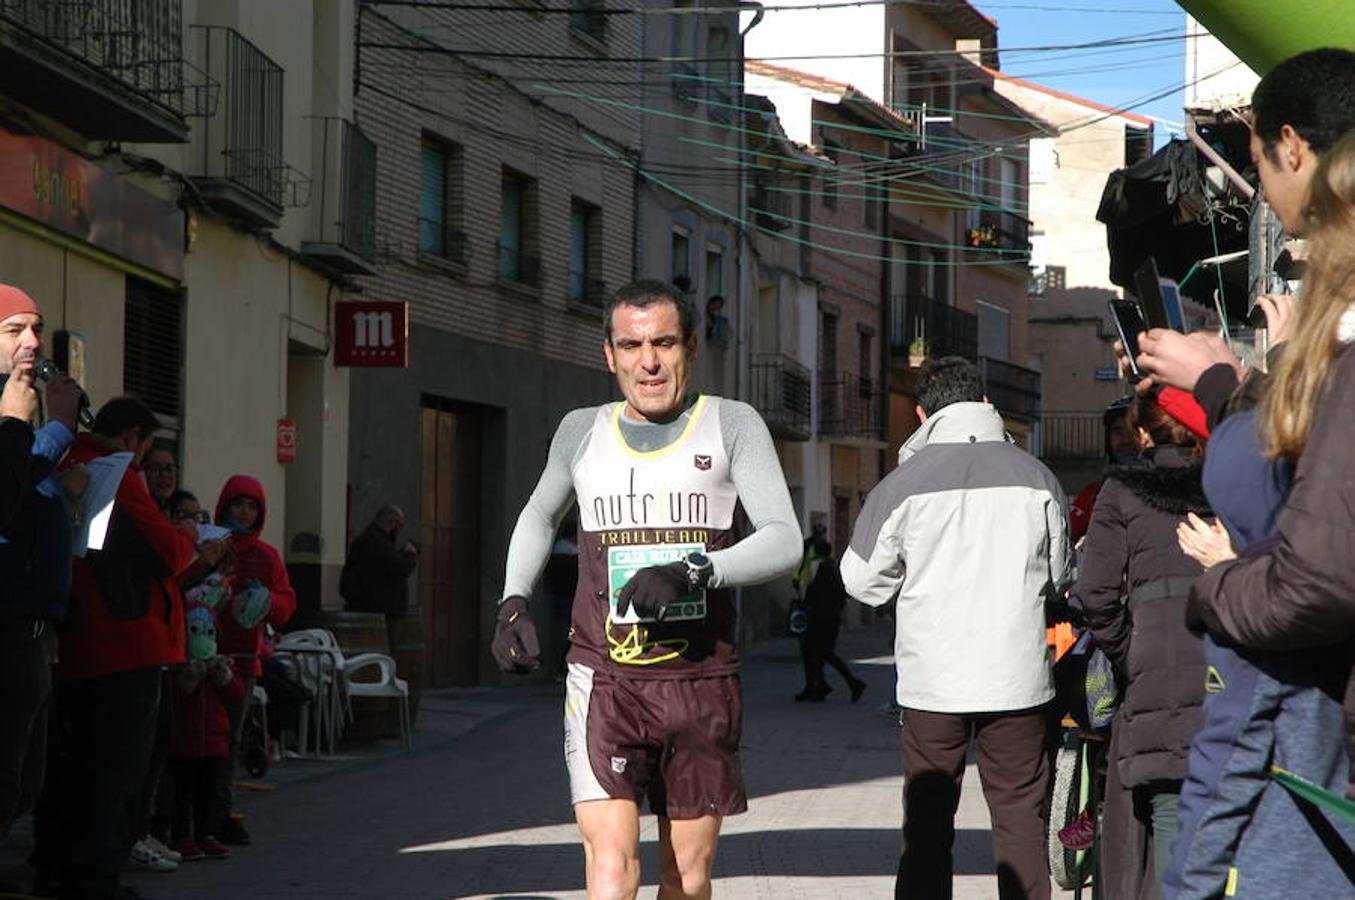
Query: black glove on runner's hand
{"points": [[651, 591], [515, 646]]}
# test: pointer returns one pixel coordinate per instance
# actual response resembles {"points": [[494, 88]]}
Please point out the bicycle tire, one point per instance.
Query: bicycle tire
{"points": [[1064, 806]]}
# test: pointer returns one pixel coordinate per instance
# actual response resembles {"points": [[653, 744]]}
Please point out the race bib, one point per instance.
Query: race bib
{"points": [[624, 562]]}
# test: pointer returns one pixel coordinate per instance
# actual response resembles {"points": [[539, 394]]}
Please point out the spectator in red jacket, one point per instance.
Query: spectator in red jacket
{"points": [[205, 690], [126, 623], [261, 594]]}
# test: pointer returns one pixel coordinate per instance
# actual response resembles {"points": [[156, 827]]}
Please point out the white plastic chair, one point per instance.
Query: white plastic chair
{"points": [[389, 686], [319, 662]]}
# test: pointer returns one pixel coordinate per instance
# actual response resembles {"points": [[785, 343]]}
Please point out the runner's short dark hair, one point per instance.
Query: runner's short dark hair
{"points": [[950, 379], [647, 292], [1312, 92]]}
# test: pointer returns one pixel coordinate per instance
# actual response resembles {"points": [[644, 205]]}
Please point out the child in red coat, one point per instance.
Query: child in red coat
{"points": [[260, 594], [205, 689]]}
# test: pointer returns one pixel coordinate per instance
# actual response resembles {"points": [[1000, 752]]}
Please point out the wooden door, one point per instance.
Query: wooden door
{"points": [[449, 528]]}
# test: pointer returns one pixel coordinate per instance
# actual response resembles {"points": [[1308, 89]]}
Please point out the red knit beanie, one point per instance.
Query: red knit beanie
{"points": [[14, 301]]}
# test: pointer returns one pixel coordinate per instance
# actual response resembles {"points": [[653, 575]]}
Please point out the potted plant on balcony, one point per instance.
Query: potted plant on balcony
{"points": [[917, 351], [981, 236]]}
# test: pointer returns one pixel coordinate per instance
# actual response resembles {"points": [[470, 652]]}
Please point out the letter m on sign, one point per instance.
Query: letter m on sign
{"points": [[371, 333]]}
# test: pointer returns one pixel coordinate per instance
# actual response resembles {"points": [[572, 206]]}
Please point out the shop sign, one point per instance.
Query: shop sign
{"points": [[46, 182], [286, 440], [371, 333]]}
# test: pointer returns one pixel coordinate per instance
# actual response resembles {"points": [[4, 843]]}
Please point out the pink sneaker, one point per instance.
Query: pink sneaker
{"points": [[188, 850], [213, 848], [1081, 834]]}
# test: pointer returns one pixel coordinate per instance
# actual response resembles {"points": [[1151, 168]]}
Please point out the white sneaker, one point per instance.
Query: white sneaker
{"points": [[154, 843], [144, 859]]}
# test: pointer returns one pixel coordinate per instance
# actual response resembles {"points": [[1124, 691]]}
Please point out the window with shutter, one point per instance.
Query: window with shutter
{"points": [[153, 348]]}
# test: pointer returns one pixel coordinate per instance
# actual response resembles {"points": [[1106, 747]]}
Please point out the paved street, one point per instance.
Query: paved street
{"points": [[480, 807]]}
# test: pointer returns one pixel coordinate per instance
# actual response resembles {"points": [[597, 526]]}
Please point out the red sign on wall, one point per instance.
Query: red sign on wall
{"points": [[371, 333], [286, 441]]}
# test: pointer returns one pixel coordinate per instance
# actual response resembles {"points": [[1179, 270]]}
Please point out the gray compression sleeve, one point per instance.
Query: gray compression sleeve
{"points": [[774, 547], [529, 549]]}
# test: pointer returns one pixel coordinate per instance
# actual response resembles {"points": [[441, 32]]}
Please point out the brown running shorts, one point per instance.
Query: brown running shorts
{"points": [[675, 741]]}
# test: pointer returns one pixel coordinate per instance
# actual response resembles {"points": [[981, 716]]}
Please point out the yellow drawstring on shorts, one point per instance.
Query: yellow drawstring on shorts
{"points": [[630, 650]]}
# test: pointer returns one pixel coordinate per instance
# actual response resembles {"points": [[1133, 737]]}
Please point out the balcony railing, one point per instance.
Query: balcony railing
{"points": [[241, 163], [1013, 390], [111, 69], [345, 210], [1072, 436], [782, 393], [1001, 231], [922, 327], [850, 407]]}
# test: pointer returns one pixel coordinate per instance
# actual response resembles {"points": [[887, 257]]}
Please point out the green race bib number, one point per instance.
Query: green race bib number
{"points": [[624, 562]]}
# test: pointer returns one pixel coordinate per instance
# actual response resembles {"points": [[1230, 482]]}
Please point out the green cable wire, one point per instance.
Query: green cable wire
{"points": [[914, 169], [932, 245], [776, 233], [607, 101]]}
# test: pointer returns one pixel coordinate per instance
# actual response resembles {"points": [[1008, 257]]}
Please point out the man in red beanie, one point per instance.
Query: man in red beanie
{"points": [[34, 553]]}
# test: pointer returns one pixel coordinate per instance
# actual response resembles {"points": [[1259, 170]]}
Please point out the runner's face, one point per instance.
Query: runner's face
{"points": [[650, 360]]}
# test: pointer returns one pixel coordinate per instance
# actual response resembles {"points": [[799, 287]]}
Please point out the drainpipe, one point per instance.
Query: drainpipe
{"points": [[745, 270]]}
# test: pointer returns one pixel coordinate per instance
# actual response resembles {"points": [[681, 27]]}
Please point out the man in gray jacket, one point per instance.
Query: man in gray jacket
{"points": [[969, 536]]}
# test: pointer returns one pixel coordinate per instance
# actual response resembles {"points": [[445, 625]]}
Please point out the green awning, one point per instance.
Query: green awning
{"points": [[1264, 32]]}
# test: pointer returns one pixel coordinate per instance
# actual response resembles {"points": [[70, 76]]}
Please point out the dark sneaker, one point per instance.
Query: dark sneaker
{"points": [[213, 848], [1081, 834], [233, 833], [188, 850], [809, 695], [858, 688]]}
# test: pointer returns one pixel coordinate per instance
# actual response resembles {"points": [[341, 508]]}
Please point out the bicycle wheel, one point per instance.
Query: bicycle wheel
{"points": [[1064, 806]]}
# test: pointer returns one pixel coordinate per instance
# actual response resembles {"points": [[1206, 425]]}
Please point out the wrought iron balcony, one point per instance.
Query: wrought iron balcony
{"points": [[1072, 436], [999, 230], [1015, 391], [344, 227], [109, 69], [926, 328], [240, 168], [783, 394], [850, 407]]}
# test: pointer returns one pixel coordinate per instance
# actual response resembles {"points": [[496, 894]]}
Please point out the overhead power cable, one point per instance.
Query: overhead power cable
{"points": [[540, 9], [631, 60]]}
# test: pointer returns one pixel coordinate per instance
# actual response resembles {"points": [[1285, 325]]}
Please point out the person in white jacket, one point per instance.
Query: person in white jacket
{"points": [[969, 537]]}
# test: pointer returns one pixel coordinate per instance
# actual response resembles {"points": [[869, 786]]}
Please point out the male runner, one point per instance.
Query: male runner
{"points": [[652, 703]]}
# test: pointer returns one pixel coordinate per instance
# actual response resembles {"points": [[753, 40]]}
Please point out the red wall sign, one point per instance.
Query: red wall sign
{"points": [[286, 440], [371, 333]]}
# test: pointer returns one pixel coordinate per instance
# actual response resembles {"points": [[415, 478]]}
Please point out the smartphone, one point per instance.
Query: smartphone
{"points": [[1171, 299], [1129, 325], [1148, 287]]}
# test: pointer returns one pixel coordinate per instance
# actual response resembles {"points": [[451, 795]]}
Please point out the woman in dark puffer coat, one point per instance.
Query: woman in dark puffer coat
{"points": [[1131, 551]]}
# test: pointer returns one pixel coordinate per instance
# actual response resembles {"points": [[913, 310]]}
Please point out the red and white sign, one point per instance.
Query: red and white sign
{"points": [[286, 441], [371, 333]]}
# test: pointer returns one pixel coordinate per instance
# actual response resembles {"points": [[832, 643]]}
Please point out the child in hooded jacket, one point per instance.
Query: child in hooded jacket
{"points": [[260, 595], [204, 689]]}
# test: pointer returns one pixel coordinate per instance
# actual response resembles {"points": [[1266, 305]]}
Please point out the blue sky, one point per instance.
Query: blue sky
{"points": [[1113, 76]]}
